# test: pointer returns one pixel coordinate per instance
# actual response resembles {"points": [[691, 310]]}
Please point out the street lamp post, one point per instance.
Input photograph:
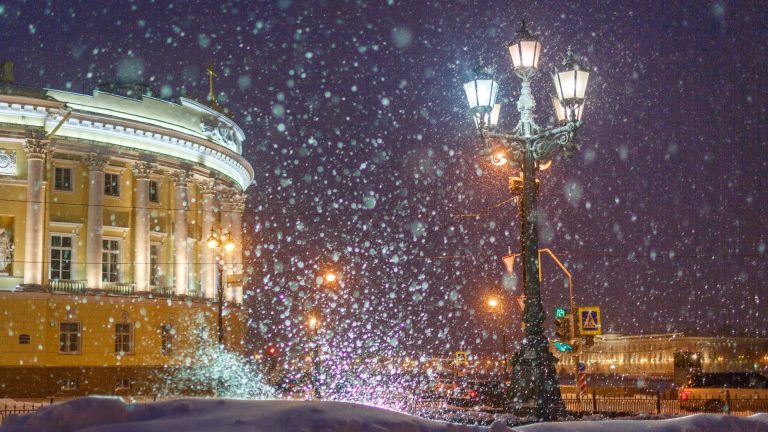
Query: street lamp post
{"points": [[222, 244], [495, 306], [328, 278], [530, 147]]}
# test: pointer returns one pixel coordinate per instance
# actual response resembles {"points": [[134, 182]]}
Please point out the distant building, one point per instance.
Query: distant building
{"points": [[654, 355], [106, 203]]}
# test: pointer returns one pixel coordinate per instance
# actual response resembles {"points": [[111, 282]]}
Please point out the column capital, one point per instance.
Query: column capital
{"points": [[181, 178], [142, 170], [237, 199], [95, 161], [206, 187], [36, 145]]}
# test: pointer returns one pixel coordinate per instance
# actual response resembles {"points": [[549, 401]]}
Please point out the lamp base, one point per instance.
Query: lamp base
{"points": [[535, 390]]}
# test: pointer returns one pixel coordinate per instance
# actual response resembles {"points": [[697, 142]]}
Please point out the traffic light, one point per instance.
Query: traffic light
{"points": [[563, 330]]}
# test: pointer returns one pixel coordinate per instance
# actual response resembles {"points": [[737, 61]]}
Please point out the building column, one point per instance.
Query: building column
{"points": [[207, 255], [236, 219], [36, 147], [180, 232], [95, 165], [141, 173], [226, 229]]}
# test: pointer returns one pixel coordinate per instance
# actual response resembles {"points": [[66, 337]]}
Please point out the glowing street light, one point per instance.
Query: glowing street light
{"points": [[494, 305], [330, 277], [223, 244]]}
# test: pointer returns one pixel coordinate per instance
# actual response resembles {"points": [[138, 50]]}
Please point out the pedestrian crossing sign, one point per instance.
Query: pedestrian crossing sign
{"points": [[589, 321]]}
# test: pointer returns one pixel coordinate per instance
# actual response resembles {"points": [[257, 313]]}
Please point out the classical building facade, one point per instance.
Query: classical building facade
{"points": [[107, 201], [655, 355]]}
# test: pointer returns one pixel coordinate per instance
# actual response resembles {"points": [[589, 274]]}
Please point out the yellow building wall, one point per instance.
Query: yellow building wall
{"points": [[39, 315]]}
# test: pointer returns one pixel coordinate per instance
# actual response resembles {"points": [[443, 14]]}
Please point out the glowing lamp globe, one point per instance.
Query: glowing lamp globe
{"points": [[525, 50], [212, 242], [571, 84], [229, 245], [481, 96], [499, 158]]}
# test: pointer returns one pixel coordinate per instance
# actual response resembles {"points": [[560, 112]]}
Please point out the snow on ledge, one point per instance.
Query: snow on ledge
{"points": [[106, 414]]}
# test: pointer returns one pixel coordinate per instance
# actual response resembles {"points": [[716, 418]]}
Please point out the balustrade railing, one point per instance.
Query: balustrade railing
{"points": [[120, 288], [164, 292], [67, 286]]}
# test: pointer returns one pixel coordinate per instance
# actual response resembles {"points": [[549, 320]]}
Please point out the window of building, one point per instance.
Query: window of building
{"points": [[62, 179], [110, 260], [111, 184], [154, 191], [168, 333], [69, 337], [154, 265], [69, 384], [123, 384], [24, 339], [61, 257], [123, 338]]}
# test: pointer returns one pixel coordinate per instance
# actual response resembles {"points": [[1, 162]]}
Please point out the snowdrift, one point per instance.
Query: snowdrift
{"points": [[103, 414]]}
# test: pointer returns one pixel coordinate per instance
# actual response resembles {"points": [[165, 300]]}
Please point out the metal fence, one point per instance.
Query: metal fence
{"points": [[19, 408], [650, 404]]}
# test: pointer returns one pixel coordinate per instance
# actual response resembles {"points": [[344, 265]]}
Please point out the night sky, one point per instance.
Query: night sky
{"points": [[366, 161]]}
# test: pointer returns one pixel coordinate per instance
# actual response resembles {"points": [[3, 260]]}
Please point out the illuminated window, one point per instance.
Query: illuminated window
{"points": [[69, 337], [110, 260], [154, 265], [123, 384], [154, 191], [69, 384], [168, 333], [112, 184], [62, 179], [61, 257], [123, 338]]}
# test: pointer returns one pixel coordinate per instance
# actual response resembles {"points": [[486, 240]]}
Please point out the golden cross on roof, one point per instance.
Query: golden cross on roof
{"points": [[211, 93]]}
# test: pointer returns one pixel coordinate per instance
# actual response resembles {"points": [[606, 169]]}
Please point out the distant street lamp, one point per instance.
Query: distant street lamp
{"points": [[531, 147], [495, 306], [222, 244], [328, 278]]}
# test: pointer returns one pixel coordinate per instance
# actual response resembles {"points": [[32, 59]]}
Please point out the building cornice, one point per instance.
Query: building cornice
{"points": [[106, 129]]}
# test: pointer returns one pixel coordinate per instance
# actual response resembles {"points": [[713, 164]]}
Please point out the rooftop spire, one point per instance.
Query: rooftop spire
{"points": [[211, 93]]}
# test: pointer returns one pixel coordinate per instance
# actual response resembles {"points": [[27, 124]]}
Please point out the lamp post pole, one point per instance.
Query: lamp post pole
{"points": [[220, 294], [327, 279], [527, 147], [222, 244]]}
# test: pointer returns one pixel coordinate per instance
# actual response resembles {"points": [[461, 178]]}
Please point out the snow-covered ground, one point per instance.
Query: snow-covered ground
{"points": [[102, 414]]}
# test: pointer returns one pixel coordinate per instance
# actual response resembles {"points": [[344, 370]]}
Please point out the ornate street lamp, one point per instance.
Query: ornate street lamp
{"points": [[531, 148], [223, 244], [494, 305]]}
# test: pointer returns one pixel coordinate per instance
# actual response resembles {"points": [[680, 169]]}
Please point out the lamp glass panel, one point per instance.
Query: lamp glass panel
{"points": [[514, 52], [481, 92], [494, 118], [558, 107], [571, 84]]}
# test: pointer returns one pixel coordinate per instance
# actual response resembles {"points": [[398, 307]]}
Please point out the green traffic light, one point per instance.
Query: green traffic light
{"points": [[560, 313], [563, 346]]}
